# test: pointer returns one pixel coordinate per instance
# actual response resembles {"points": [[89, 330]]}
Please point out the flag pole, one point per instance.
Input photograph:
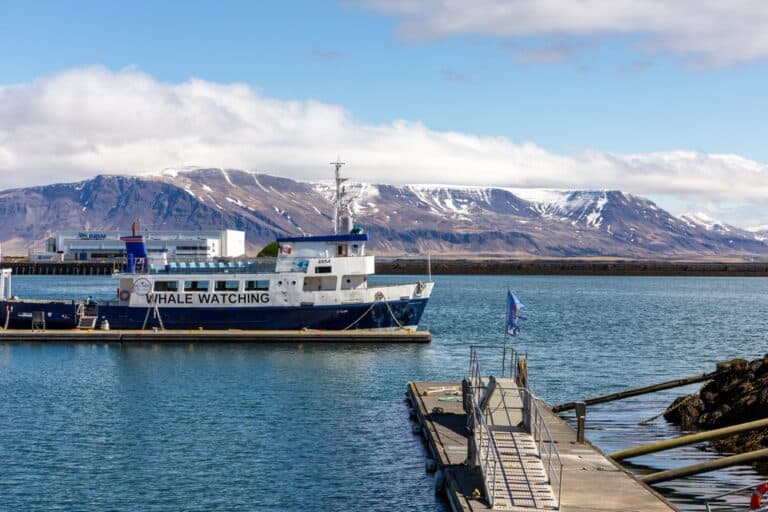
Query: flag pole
{"points": [[506, 338]]}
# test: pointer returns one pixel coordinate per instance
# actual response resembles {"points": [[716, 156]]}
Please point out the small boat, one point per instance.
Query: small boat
{"points": [[319, 282]]}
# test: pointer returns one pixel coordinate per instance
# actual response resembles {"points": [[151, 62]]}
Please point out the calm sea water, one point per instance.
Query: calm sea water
{"points": [[300, 427]]}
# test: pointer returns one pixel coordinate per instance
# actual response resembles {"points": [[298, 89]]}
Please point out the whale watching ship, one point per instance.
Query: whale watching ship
{"points": [[319, 282]]}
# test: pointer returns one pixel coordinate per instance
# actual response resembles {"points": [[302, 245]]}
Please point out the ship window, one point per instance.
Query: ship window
{"points": [[262, 285], [166, 286], [316, 284], [323, 270], [352, 282], [195, 286], [227, 286]]}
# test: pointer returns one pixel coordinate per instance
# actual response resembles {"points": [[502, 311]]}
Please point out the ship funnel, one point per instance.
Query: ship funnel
{"points": [[136, 252]]}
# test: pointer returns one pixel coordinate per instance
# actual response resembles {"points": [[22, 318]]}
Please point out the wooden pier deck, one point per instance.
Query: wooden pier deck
{"points": [[591, 481], [211, 336]]}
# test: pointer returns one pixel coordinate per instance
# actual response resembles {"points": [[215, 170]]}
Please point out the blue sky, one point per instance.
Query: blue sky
{"points": [[603, 85]]}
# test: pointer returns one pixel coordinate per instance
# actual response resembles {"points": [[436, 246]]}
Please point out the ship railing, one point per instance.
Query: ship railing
{"points": [[215, 267]]}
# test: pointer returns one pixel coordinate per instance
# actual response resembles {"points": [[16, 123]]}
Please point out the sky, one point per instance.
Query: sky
{"points": [[661, 99]]}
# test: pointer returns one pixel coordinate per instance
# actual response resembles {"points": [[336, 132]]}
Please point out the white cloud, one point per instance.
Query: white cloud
{"points": [[713, 32], [87, 121]]}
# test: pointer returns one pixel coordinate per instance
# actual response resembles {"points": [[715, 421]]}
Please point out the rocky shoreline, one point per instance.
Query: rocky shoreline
{"points": [[737, 394]]}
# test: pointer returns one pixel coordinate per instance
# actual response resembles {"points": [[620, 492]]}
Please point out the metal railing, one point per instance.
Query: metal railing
{"points": [[488, 455], [548, 452], [506, 365], [708, 504], [489, 460]]}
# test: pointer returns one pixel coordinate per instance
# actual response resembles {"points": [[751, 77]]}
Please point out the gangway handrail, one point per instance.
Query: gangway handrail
{"points": [[539, 430], [533, 421]]}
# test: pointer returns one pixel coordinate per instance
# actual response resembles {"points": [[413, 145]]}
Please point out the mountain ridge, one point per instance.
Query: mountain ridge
{"points": [[406, 219]]}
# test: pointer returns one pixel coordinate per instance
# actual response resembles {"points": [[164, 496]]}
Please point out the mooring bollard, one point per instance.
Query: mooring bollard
{"points": [[581, 420]]}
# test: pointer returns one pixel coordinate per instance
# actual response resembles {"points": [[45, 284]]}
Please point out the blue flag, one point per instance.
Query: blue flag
{"points": [[513, 314]]}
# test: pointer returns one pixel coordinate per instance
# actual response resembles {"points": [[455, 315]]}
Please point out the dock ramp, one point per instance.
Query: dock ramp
{"points": [[510, 443]]}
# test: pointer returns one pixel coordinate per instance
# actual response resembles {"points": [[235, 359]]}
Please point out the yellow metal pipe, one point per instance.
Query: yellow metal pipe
{"points": [[698, 437], [704, 467], [638, 391]]}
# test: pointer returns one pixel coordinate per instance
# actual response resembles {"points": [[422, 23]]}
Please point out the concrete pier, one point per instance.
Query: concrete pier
{"points": [[228, 336], [591, 481]]}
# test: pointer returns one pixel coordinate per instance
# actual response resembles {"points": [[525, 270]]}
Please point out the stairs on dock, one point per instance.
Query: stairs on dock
{"points": [[526, 487], [87, 322]]}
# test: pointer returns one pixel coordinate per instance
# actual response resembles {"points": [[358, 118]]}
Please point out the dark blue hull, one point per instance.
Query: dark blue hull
{"points": [[378, 315]]}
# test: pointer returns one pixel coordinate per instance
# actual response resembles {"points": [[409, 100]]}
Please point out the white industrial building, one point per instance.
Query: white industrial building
{"points": [[177, 245]]}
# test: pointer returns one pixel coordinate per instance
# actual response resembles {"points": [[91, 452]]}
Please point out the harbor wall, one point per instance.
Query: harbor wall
{"points": [[464, 267], [570, 267], [75, 268]]}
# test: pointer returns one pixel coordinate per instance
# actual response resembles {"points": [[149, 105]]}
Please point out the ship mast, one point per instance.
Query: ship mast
{"points": [[339, 194]]}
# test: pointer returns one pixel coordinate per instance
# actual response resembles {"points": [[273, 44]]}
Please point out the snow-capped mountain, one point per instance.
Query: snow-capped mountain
{"points": [[401, 219]]}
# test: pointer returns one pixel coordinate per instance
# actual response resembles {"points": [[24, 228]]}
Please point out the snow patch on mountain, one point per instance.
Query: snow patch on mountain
{"points": [[578, 206], [226, 177], [359, 197], [702, 220]]}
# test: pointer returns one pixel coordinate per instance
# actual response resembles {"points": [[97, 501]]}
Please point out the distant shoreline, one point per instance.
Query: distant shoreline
{"points": [[396, 266]]}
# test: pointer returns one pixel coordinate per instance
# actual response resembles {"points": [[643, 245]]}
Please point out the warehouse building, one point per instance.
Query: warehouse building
{"points": [[177, 245]]}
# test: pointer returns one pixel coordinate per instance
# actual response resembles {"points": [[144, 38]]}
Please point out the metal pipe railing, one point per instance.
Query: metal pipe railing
{"points": [[543, 437]]}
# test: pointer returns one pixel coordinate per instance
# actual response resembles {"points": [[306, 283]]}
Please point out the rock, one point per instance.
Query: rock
{"points": [[737, 394], [684, 410]]}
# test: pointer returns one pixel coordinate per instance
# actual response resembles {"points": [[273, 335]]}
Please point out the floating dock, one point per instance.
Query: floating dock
{"points": [[210, 336], [495, 446], [591, 480]]}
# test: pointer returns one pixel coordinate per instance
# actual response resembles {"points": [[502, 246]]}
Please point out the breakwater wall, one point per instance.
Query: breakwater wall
{"points": [[461, 266], [74, 268], [569, 267]]}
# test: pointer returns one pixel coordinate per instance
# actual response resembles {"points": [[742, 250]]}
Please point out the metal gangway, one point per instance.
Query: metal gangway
{"points": [[510, 442]]}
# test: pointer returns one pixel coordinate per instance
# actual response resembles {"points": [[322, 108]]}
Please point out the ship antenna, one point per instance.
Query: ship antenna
{"points": [[339, 194]]}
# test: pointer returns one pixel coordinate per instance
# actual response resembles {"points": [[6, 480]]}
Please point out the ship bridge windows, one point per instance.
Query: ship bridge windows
{"points": [[342, 250], [319, 283], [260, 285], [196, 286], [166, 286], [226, 286]]}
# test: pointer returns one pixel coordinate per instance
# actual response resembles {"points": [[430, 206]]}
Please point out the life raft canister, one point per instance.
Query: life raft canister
{"points": [[756, 501]]}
